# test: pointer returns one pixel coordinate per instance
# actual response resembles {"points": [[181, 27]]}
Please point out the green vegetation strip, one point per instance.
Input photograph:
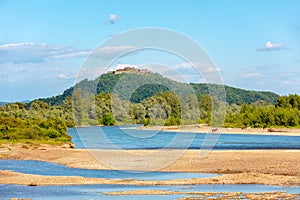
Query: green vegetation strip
{"points": [[95, 103]]}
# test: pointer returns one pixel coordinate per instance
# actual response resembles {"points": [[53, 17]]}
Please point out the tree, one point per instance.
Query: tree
{"points": [[108, 120], [78, 107], [38, 105], [137, 112]]}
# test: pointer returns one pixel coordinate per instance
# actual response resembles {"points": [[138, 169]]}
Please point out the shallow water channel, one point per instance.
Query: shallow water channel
{"points": [[97, 191]]}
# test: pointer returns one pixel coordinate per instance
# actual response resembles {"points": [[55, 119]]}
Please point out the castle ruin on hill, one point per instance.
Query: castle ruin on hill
{"points": [[130, 70]]}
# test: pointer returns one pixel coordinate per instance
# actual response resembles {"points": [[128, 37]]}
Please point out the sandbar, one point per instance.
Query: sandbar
{"points": [[270, 167]]}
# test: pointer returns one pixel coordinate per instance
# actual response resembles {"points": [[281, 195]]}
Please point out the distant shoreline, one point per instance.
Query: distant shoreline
{"points": [[207, 129], [202, 128]]}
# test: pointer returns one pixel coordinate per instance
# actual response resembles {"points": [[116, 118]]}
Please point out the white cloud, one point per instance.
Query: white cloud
{"points": [[203, 67], [112, 18], [111, 52], [252, 74], [114, 49], [64, 76], [269, 46], [72, 55], [19, 53], [286, 83]]}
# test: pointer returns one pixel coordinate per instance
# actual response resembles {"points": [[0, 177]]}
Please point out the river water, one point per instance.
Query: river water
{"points": [[130, 137], [89, 192]]}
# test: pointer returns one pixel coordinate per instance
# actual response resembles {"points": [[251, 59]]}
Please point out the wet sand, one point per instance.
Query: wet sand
{"points": [[271, 167]]}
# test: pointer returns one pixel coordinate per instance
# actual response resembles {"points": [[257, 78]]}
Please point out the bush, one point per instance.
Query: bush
{"points": [[108, 120]]}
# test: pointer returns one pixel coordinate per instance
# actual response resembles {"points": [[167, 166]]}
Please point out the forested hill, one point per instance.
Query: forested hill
{"points": [[237, 95], [154, 83]]}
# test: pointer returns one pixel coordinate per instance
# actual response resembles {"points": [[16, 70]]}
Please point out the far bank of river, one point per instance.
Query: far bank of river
{"points": [[200, 128]]}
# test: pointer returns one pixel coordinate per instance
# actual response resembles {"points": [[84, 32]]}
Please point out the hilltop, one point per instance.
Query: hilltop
{"points": [[154, 83]]}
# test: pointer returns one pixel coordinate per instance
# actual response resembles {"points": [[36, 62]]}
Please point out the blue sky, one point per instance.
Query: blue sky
{"points": [[254, 44]]}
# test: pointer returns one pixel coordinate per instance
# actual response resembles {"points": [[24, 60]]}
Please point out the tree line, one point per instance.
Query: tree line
{"points": [[168, 109], [39, 120]]}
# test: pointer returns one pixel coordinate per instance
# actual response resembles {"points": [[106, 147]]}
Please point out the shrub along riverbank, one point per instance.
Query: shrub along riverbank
{"points": [[37, 122]]}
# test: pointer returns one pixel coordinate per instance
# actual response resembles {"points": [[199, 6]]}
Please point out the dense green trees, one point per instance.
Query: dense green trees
{"points": [[108, 109], [35, 121], [162, 109], [286, 112], [103, 108], [170, 109]]}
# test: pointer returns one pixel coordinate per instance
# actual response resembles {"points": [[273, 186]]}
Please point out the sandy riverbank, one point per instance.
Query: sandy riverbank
{"points": [[272, 167], [9, 177], [210, 195], [206, 129]]}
